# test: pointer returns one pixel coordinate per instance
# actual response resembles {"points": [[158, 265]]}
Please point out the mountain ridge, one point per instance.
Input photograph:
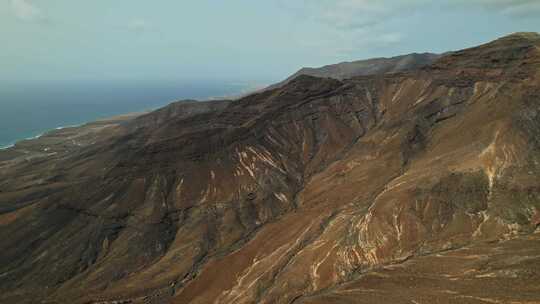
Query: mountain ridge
{"points": [[319, 191], [349, 69]]}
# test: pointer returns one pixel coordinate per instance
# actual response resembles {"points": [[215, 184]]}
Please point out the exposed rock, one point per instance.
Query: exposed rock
{"points": [[401, 187]]}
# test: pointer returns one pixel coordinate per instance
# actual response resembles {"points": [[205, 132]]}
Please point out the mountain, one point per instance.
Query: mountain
{"points": [[420, 186], [345, 70]]}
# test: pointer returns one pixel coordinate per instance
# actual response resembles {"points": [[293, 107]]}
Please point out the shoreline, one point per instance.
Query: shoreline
{"points": [[28, 138], [7, 147], [78, 125], [12, 145], [63, 139], [233, 96], [119, 116]]}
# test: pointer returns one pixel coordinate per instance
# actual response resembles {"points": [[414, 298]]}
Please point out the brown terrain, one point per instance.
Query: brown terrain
{"points": [[346, 70], [420, 186]]}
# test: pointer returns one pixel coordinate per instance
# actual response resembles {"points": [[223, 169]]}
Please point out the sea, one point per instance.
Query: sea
{"points": [[29, 111]]}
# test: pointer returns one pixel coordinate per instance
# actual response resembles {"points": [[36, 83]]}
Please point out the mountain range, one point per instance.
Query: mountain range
{"points": [[413, 179], [345, 70]]}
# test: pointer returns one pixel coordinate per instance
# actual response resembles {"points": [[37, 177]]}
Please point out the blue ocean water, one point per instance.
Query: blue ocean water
{"points": [[29, 111]]}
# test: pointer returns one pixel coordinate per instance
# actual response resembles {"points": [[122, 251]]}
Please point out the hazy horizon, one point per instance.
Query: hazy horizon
{"points": [[62, 42], [88, 60]]}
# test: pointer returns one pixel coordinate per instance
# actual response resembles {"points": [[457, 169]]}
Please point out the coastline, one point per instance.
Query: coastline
{"points": [[5, 147], [63, 140], [36, 133], [120, 117], [97, 120], [85, 125], [28, 138]]}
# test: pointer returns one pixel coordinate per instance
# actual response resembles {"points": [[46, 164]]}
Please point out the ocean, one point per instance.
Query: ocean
{"points": [[27, 112]]}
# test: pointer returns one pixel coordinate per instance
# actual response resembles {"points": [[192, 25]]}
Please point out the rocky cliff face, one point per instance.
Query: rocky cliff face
{"points": [[321, 191]]}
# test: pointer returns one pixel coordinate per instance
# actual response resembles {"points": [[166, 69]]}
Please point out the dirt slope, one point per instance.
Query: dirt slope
{"points": [[301, 194]]}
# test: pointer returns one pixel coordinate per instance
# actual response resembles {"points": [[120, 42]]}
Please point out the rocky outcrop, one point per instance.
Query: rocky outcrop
{"points": [[301, 194]]}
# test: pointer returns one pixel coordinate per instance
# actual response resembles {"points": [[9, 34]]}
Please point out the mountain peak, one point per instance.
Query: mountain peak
{"points": [[350, 69], [506, 52], [289, 195], [516, 40], [526, 35]]}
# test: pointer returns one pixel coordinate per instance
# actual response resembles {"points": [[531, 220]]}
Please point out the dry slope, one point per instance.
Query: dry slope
{"points": [[301, 194]]}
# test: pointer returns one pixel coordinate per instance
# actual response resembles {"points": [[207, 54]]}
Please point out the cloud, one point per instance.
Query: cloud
{"points": [[353, 25], [390, 38], [347, 27], [368, 41], [503, 4], [350, 45], [512, 7], [353, 14], [26, 11], [139, 26]]}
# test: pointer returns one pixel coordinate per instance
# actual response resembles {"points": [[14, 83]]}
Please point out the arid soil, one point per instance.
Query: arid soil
{"points": [[421, 186]]}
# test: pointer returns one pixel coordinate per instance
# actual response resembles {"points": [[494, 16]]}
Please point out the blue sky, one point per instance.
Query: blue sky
{"points": [[65, 41]]}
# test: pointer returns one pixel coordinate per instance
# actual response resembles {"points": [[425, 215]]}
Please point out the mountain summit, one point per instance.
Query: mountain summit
{"points": [[415, 186], [345, 70]]}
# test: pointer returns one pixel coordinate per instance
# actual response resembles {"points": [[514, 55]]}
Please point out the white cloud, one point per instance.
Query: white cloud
{"points": [[390, 38], [353, 14], [503, 4], [350, 26], [139, 25], [353, 25], [513, 7], [26, 11]]}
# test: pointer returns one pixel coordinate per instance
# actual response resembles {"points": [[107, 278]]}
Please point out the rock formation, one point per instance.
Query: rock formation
{"points": [[408, 187]]}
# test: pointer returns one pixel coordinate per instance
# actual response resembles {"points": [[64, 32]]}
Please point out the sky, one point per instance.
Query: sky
{"points": [[169, 41]]}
